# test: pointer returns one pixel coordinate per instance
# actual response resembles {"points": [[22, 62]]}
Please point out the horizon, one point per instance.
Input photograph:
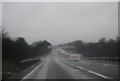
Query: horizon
{"points": [[61, 23]]}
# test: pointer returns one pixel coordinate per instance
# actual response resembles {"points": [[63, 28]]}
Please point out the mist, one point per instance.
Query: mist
{"points": [[61, 22]]}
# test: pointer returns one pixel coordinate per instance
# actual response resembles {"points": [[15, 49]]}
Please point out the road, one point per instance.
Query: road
{"points": [[58, 67]]}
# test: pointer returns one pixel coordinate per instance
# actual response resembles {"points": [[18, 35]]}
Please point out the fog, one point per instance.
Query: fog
{"points": [[61, 22], [0, 21]]}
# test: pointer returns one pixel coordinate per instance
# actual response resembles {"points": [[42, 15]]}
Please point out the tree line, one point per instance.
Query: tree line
{"points": [[18, 49], [102, 48]]}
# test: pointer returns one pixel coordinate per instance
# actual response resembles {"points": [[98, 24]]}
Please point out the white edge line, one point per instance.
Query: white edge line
{"points": [[100, 75], [32, 71]]}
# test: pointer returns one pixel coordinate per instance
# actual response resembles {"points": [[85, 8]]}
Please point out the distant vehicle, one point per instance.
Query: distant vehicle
{"points": [[74, 57]]}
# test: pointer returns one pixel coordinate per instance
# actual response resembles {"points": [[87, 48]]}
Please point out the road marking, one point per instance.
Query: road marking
{"points": [[33, 70], [100, 75]]}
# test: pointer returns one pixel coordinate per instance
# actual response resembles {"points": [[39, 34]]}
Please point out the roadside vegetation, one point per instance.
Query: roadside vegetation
{"points": [[16, 50], [102, 48]]}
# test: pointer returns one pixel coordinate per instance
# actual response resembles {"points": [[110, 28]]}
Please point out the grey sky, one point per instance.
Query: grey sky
{"points": [[0, 14], [61, 22]]}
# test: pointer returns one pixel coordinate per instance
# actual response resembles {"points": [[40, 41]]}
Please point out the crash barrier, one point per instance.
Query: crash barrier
{"points": [[26, 63], [23, 67], [109, 60], [29, 62]]}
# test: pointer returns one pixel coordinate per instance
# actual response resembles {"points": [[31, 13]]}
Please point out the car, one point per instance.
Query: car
{"points": [[74, 57]]}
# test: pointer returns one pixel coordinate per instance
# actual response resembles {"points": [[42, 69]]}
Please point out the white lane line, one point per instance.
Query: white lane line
{"points": [[33, 70], [100, 75]]}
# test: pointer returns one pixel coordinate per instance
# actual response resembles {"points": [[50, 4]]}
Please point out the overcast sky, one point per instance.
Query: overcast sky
{"points": [[0, 14], [61, 22]]}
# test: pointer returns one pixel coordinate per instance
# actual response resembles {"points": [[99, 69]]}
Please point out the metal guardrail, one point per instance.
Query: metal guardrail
{"points": [[109, 60], [24, 66], [27, 60]]}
